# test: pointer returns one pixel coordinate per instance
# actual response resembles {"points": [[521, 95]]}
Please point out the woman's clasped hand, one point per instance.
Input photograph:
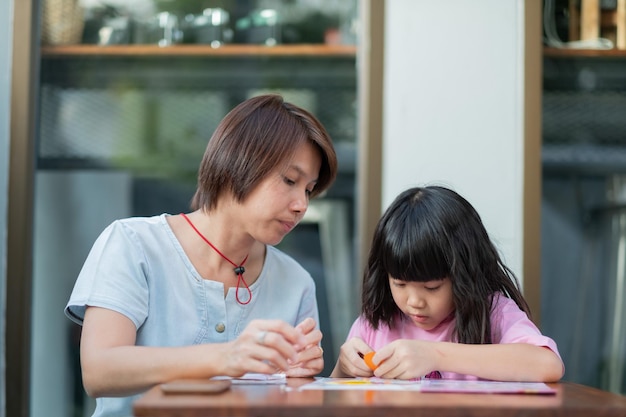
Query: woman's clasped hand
{"points": [[273, 346]]}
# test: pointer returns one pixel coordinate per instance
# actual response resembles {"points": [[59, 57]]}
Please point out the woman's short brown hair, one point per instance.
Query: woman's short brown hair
{"points": [[254, 138]]}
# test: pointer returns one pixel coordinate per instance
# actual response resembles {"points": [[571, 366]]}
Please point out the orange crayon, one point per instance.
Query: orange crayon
{"points": [[368, 360]]}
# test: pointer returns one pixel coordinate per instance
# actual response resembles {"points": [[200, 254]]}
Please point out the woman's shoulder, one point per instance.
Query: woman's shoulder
{"points": [[278, 261], [141, 224], [137, 231], [278, 256], [143, 221]]}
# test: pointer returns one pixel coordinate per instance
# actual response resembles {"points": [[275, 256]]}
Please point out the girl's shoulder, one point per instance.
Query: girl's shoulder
{"points": [[506, 315], [501, 304]]}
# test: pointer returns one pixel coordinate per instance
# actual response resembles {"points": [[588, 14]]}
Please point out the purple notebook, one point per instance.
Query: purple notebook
{"points": [[486, 387]]}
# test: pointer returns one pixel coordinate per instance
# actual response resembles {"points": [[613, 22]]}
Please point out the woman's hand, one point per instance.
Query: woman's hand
{"points": [[350, 362], [310, 359], [265, 346]]}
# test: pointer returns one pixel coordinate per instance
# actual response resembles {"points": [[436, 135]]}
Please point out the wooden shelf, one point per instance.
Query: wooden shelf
{"points": [[239, 50], [584, 53]]}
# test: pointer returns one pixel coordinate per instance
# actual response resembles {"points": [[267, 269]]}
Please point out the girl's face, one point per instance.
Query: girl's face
{"points": [[427, 304], [279, 202]]}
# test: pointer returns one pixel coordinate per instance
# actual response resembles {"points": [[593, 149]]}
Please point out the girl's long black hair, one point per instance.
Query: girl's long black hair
{"points": [[431, 233]]}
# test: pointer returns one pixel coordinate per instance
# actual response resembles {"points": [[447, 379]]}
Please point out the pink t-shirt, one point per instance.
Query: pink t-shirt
{"points": [[509, 324]]}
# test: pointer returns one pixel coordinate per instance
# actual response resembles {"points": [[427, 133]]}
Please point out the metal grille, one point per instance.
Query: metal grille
{"points": [[158, 131], [584, 116]]}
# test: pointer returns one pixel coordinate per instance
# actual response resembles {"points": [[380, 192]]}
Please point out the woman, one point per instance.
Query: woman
{"points": [[205, 293]]}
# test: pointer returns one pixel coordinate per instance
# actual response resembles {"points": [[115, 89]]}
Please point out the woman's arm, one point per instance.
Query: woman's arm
{"points": [[405, 359], [113, 366]]}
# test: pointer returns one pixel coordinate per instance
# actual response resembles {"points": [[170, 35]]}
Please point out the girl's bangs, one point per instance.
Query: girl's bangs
{"points": [[409, 254]]}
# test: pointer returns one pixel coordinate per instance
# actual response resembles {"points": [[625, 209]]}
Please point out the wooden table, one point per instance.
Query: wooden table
{"points": [[282, 401]]}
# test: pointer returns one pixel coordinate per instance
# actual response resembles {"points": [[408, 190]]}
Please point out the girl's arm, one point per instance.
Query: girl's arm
{"points": [[406, 359], [113, 366]]}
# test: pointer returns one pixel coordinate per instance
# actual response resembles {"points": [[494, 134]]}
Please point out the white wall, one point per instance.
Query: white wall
{"points": [[453, 100]]}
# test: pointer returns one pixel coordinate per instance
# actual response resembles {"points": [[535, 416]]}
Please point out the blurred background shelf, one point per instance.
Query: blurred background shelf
{"points": [[583, 190], [573, 53], [315, 50]]}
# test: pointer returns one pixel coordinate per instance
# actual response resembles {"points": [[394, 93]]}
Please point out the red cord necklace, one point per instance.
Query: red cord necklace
{"points": [[239, 269]]}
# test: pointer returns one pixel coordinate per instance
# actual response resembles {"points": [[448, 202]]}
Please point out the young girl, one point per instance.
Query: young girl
{"points": [[437, 300], [206, 293]]}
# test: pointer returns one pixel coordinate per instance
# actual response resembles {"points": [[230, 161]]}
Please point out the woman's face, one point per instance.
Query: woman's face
{"points": [[427, 304], [279, 202]]}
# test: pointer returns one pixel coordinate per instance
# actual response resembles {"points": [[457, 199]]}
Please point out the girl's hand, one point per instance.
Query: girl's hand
{"points": [[406, 359], [310, 360], [265, 346], [350, 362]]}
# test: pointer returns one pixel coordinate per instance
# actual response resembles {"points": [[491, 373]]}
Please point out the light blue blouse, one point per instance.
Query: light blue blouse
{"points": [[138, 268]]}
